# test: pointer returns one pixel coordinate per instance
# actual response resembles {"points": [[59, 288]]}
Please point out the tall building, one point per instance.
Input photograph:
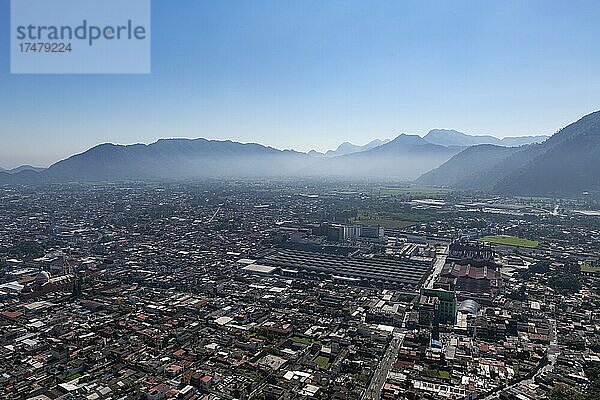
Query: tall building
{"points": [[446, 308], [345, 232]]}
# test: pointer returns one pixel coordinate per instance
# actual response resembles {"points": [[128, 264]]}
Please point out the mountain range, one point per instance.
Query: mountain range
{"points": [[406, 157], [449, 137], [441, 137], [567, 162], [349, 148], [21, 168]]}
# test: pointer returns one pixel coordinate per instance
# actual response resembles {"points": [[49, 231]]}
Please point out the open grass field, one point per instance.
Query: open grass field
{"points": [[304, 340], [434, 373], [586, 267], [510, 241], [323, 362]]}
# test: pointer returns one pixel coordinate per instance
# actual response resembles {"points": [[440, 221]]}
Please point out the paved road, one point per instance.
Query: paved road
{"points": [[440, 260], [373, 392], [214, 215]]}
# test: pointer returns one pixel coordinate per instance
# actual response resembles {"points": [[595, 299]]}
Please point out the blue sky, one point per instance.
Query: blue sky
{"points": [[311, 74]]}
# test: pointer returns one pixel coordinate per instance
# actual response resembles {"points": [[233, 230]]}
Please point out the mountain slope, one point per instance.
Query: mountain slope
{"points": [[566, 163], [523, 140], [570, 163], [462, 170]]}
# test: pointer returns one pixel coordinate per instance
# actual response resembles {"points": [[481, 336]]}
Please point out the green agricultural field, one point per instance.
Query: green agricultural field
{"points": [[414, 191], [390, 220], [510, 241]]}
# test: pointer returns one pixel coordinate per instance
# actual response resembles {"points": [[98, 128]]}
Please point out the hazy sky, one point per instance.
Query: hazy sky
{"points": [[311, 74]]}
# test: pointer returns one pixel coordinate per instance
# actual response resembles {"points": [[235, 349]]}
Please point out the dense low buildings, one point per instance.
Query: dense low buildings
{"points": [[238, 290]]}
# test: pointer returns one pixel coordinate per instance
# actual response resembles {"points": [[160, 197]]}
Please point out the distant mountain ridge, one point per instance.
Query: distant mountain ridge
{"points": [[178, 159], [349, 148], [21, 168], [406, 157], [450, 137], [566, 163]]}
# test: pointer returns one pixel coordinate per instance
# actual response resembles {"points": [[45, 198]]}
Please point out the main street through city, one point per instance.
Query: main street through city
{"points": [[373, 392], [440, 260]]}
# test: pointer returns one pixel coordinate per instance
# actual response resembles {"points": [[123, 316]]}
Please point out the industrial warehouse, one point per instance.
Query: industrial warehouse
{"points": [[399, 273]]}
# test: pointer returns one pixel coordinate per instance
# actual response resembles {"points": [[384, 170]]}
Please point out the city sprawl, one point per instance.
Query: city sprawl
{"points": [[296, 290]]}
